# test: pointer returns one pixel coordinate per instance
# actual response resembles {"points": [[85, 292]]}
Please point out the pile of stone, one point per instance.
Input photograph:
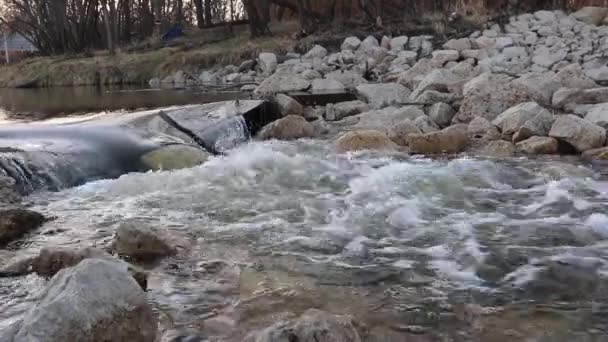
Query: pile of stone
{"points": [[533, 86]]}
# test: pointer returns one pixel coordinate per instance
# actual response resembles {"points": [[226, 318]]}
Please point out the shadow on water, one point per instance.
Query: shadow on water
{"points": [[44, 103]]}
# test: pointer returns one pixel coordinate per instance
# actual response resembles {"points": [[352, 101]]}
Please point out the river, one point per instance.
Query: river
{"points": [[416, 249]]}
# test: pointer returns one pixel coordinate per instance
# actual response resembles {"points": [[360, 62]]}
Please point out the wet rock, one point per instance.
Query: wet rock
{"points": [[400, 132], [598, 115], [596, 154], [442, 114], [339, 111], [327, 86], [489, 95], [349, 79], [267, 62], [538, 145], [288, 105], [288, 128], [573, 76], [313, 326], [450, 140], [96, 300], [591, 15], [317, 51], [364, 140], [15, 223], [139, 241], [173, 157], [351, 44], [580, 133], [499, 149], [383, 95], [511, 120], [281, 83]]}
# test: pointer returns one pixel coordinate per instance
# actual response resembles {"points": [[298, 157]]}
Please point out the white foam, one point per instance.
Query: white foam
{"points": [[598, 223]]}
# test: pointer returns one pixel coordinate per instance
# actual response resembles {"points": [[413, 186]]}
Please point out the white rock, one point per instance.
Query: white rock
{"points": [[485, 43], [409, 57], [477, 54], [547, 57], [383, 95], [416, 73], [503, 42], [351, 44], [598, 115], [267, 62], [515, 52], [311, 75], [545, 17], [490, 33], [458, 44], [349, 79], [316, 52], [282, 83], [399, 43], [385, 119], [385, 43], [442, 80], [511, 120], [327, 85], [440, 57], [599, 74], [580, 133], [368, 43]]}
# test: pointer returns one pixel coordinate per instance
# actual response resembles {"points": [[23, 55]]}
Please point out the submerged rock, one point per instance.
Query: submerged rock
{"points": [[364, 140], [96, 300], [313, 326], [14, 223], [288, 128], [174, 157], [538, 145], [140, 241]]}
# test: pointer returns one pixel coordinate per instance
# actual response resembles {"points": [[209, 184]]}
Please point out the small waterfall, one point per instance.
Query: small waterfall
{"points": [[227, 134]]}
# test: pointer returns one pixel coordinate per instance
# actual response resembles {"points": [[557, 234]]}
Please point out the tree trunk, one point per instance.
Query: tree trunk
{"points": [[200, 16], [208, 19], [108, 25], [179, 16]]}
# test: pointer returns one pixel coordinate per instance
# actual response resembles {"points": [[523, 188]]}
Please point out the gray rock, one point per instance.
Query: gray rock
{"points": [[409, 57], [573, 76], [368, 43], [290, 127], [416, 73], [385, 119], [207, 77], [267, 62], [383, 95], [400, 132], [488, 95], [598, 115], [327, 85], [503, 42], [339, 111], [433, 96], [538, 125], [591, 15], [580, 133], [547, 57], [385, 43], [316, 52], [349, 79], [154, 82], [97, 300], [313, 326], [233, 78], [399, 43], [568, 97], [288, 105], [311, 75], [425, 124], [442, 114], [450, 140], [282, 83], [596, 154], [361, 140], [477, 54], [140, 241], [247, 88], [246, 66], [440, 57], [351, 44], [458, 44], [15, 223], [499, 149], [511, 120], [598, 74], [538, 145], [441, 80], [485, 43], [478, 127], [540, 86]]}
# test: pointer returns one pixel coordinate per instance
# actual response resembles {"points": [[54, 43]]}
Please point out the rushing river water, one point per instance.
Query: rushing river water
{"points": [[451, 249]]}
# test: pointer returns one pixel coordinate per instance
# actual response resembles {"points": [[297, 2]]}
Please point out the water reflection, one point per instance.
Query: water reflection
{"points": [[44, 103]]}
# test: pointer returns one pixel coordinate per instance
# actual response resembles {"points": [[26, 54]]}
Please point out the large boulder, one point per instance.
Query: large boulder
{"points": [[511, 120], [411, 77], [591, 15], [267, 62], [383, 95], [401, 131], [441, 80], [499, 149], [442, 114], [349, 79], [364, 140], [573, 76], [598, 115], [480, 129], [313, 326], [281, 83], [538, 125], [14, 223], [288, 105], [368, 44], [317, 51], [174, 157], [580, 133], [339, 111], [565, 98], [488, 95], [450, 140], [399, 43], [96, 300], [140, 241], [540, 86], [288, 128], [351, 44], [458, 44], [538, 145]]}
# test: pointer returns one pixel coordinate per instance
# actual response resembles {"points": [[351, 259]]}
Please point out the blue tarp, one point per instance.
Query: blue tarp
{"points": [[173, 33]]}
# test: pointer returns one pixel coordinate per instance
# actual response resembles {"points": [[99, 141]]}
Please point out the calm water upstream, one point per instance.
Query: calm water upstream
{"points": [[416, 249]]}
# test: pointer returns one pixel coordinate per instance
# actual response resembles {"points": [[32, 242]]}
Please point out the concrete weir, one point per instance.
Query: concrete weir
{"points": [[55, 155]]}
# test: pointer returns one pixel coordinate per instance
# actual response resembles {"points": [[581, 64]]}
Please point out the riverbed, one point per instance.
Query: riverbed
{"points": [[414, 248]]}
